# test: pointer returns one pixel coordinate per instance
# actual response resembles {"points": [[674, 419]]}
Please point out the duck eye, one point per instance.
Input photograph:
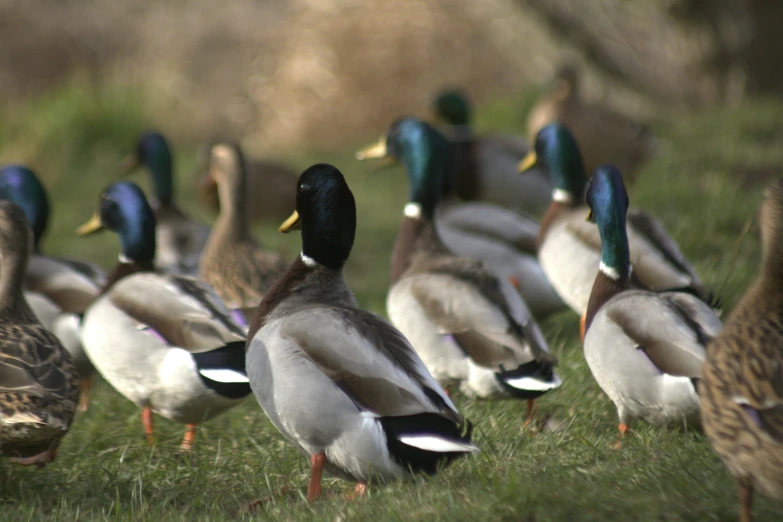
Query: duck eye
{"points": [[304, 187]]}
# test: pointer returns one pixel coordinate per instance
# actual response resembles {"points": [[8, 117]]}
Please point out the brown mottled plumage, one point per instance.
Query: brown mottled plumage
{"points": [[38, 379], [234, 264], [604, 135], [742, 387]]}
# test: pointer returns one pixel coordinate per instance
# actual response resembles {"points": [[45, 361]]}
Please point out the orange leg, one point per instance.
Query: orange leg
{"points": [[146, 419], [317, 463], [623, 428], [190, 437], [358, 491], [582, 332], [84, 395], [40, 460], [531, 408], [746, 502], [515, 282]]}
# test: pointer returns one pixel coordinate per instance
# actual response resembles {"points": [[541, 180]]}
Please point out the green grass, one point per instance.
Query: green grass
{"points": [[706, 187]]}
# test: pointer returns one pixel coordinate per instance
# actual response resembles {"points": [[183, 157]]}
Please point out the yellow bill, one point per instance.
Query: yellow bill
{"points": [[589, 216], [292, 223], [377, 150], [527, 162], [92, 226]]}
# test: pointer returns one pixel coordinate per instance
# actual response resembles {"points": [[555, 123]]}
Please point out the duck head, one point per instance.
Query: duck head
{"points": [[20, 185], [557, 152], [608, 202], [452, 106], [154, 153], [425, 154], [326, 214], [123, 209]]}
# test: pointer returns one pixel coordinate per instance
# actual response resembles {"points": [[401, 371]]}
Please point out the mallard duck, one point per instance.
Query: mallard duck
{"points": [[603, 135], [58, 290], [467, 324], [180, 238], [742, 386], [342, 384], [39, 383], [485, 166], [569, 249], [233, 262], [165, 342], [271, 187], [502, 238], [644, 348]]}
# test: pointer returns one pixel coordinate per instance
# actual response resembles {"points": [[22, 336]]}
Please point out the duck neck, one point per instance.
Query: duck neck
{"points": [[12, 271], [614, 272], [161, 169], [126, 267], [562, 202], [232, 222], [467, 183], [285, 285], [416, 226]]}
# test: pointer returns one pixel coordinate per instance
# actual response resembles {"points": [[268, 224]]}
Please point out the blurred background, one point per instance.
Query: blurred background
{"points": [[305, 81], [322, 74]]}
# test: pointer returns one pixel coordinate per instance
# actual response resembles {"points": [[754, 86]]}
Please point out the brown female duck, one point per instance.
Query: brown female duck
{"points": [[742, 386]]}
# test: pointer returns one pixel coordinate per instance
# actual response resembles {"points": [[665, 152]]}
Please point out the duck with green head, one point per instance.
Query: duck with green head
{"points": [[38, 379], [468, 324], [497, 236], [569, 249], [58, 290], [165, 342], [645, 349], [485, 164], [342, 384], [180, 239]]}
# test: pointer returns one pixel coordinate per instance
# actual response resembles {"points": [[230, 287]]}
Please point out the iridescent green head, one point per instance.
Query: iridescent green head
{"points": [[20, 185], [426, 155], [608, 201], [123, 209], [153, 152], [452, 106], [557, 152]]}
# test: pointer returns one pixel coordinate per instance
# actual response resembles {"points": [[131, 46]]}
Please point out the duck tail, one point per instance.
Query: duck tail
{"points": [[529, 380], [425, 441], [223, 370]]}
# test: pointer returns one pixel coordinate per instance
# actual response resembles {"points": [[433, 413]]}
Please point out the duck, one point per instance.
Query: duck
{"points": [[468, 324], [39, 383], [645, 349], [58, 289], [233, 263], [344, 386], [485, 166], [569, 249], [604, 135], [502, 238], [165, 342], [271, 187], [180, 238], [741, 389]]}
